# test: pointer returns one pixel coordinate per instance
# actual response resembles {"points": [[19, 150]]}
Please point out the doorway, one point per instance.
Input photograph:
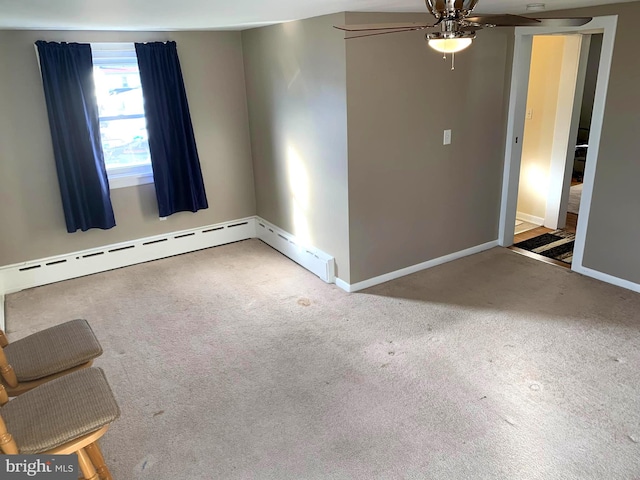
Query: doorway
{"points": [[516, 129], [561, 90]]}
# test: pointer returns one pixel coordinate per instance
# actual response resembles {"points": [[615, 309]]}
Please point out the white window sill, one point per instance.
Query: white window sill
{"points": [[122, 181]]}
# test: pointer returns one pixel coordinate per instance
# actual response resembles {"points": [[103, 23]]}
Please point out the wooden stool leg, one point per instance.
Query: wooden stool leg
{"points": [[7, 444], [4, 397], [86, 467], [6, 370], [93, 450]]}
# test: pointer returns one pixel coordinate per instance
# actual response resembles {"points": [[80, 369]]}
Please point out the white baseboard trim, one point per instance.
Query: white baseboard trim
{"points": [[530, 218], [605, 277], [314, 260], [3, 327], [414, 268], [34, 273], [343, 285]]}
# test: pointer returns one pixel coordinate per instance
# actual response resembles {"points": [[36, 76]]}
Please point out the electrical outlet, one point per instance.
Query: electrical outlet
{"points": [[529, 114], [447, 137]]}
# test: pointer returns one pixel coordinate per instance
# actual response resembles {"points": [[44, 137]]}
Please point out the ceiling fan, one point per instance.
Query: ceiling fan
{"points": [[458, 24]]}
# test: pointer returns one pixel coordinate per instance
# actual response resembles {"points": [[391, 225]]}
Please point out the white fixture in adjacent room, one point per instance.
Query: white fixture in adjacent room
{"points": [[535, 7]]}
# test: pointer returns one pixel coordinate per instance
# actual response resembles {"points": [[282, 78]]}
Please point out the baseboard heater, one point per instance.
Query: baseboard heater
{"points": [[314, 260], [34, 273]]}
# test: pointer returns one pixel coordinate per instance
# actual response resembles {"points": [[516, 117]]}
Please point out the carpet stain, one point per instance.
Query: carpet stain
{"points": [[392, 353], [158, 413], [305, 302], [147, 463], [509, 421]]}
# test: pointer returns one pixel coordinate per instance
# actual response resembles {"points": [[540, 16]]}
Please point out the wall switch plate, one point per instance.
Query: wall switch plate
{"points": [[447, 137], [529, 114]]}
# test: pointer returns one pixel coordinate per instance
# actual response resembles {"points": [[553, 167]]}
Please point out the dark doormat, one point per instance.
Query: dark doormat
{"points": [[557, 245]]}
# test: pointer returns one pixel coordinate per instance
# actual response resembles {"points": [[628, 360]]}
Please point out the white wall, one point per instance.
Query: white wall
{"points": [[540, 126]]}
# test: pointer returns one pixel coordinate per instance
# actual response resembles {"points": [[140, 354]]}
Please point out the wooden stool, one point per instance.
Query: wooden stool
{"points": [[71, 413], [45, 355]]}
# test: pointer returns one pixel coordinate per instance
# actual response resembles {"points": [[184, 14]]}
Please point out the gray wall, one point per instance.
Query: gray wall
{"points": [[613, 234], [411, 199], [406, 198], [296, 90], [31, 218]]}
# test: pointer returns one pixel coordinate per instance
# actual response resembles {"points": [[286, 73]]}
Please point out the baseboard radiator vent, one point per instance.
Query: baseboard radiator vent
{"points": [[314, 260], [34, 273]]}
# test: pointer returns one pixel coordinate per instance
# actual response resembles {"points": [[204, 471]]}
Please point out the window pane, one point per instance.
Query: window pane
{"points": [[122, 123], [124, 142]]}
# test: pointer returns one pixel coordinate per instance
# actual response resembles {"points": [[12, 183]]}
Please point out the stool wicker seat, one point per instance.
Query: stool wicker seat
{"points": [[64, 416], [45, 355]]}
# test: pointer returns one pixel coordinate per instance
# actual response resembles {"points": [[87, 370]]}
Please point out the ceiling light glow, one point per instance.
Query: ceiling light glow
{"points": [[449, 45]]}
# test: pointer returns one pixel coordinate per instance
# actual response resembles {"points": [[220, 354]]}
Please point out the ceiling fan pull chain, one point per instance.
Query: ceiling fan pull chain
{"points": [[453, 61]]}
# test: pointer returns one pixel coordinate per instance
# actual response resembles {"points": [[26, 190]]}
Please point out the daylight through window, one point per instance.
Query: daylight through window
{"points": [[123, 128]]}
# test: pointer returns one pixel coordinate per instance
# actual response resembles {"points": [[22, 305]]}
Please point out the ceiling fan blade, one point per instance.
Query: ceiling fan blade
{"points": [[382, 26], [518, 21], [564, 22], [371, 33], [503, 20]]}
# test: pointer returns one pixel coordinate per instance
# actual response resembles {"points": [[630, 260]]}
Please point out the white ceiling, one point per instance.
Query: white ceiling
{"points": [[215, 14]]}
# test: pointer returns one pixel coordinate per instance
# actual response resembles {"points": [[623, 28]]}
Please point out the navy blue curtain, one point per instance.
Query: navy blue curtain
{"points": [[174, 157], [67, 77]]}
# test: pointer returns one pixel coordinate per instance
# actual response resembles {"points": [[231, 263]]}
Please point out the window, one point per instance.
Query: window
{"points": [[123, 127]]}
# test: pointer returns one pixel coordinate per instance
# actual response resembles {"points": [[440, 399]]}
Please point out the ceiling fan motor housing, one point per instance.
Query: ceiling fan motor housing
{"points": [[450, 8], [471, 34]]}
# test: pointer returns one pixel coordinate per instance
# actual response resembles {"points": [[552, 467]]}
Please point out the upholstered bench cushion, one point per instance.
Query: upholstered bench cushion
{"points": [[53, 350], [60, 411]]}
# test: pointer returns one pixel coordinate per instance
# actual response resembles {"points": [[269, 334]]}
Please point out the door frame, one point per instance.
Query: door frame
{"points": [[515, 126]]}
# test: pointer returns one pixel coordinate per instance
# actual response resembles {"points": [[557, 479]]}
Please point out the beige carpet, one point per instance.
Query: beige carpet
{"points": [[235, 363]]}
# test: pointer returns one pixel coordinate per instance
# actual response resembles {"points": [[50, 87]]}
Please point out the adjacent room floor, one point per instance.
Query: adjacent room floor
{"points": [[526, 231], [236, 363]]}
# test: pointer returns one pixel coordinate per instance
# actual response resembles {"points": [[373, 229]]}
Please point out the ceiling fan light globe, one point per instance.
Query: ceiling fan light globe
{"points": [[449, 45]]}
